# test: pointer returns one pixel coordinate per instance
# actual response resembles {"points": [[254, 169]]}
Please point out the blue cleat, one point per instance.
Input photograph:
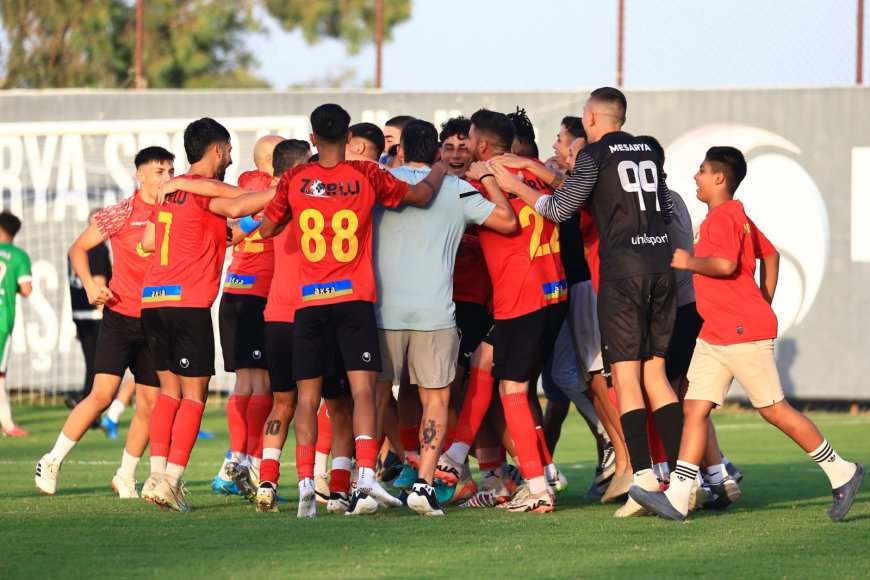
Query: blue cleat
{"points": [[406, 478], [443, 492], [110, 427], [204, 435], [223, 487]]}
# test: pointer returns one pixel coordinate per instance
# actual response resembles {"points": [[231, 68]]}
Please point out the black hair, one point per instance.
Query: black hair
{"points": [[420, 142], [613, 97], [730, 162], [371, 133], [288, 154], [525, 133], [399, 121], [654, 145], [202, 134], [154, 153], [574, 127], [330, 123], [459, 126], [9, 223], [393, 151], [496, 127], [314, 158]]}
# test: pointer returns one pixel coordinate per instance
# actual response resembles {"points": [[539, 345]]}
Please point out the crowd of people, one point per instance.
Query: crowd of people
{"points": [[385, 289]]}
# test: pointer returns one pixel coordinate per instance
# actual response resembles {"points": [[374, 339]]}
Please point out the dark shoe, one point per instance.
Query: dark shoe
{"points": [[734, 472], [844, 495], [656, 502]]}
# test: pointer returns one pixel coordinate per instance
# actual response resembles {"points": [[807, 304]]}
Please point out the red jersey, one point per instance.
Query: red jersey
{"points": [[281, 303], [190, 243], [253, 258], [470, 279], [122, 224], [591, 241], [732, 307], [525, 267], [331, 209]]}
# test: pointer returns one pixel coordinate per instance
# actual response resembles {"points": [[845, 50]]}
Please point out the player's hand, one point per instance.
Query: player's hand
{"points": [[99, 294], [680, 261], [476, 170], [165, 188], [507, 181], [510, 160]]}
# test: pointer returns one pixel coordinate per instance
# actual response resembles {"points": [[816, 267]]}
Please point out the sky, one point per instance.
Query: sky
{"points": [[517, 45]]}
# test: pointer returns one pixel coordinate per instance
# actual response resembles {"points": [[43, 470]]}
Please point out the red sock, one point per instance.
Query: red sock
{"points": [[324, 431], [185, 430], [477, 399], [521, 427], [449, 438], [270, 470], [258, 411], [409, 435], [611, 394], [305, 461], [160, 429], [339, 481], [366, 452], [237, 411], [542, 447], [656, 447], [489, 458]]}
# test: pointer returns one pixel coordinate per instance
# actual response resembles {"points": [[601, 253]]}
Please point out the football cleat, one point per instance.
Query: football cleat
{"points": [[307, 499], [464, 488], [422, 500], [406, 478], [734, 472], [844, 496], [338, 503], [723, 495], [47, 471], [632, 508], [167, 496], [15, 431], [110, 427], [559, 483], [361, 504], [656, 502], [520, 494], [607, 467], [374, 489], [223, 487], [241, 476], [148, 488], [540, 503], [321, 487], [618, 488], [488, 498], [125, 488], [267, 498], [448, 470]]}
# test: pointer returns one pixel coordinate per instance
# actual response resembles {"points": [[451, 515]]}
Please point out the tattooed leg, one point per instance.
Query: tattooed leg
{"points": [[433, 428]]}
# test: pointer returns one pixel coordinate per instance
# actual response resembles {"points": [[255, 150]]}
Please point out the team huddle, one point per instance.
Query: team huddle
{"points": [[398, 295]]}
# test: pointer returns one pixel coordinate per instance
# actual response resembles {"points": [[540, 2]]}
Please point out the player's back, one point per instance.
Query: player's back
{"points": [[626, 208], [14, 263], [190, 244]]}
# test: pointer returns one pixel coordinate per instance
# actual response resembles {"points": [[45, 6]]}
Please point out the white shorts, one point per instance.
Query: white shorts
{"points": [[583, 320]]}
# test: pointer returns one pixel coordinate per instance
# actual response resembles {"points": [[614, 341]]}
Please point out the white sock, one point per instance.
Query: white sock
{"points": [[158, 466], [255, 462], [272, 453], [5, 410], [128, 465], [644, 478], [238, 456], [458, 451], [725, 460], [682, 480], [365, 478], [341, 463], [115, 410], [716, 474], [538, 485], [62, 447], [551, 472], [838, 470], [173, 473], [222, 474], [320, 463]]}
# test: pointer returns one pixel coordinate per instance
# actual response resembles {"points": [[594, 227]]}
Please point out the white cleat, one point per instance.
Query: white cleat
{"points": [[267, 498], [321, 487], [148, 488], [361, 504], [307, 499], [47, 471], [632, 508], [338, 503], [125, 488], [380, 495]]}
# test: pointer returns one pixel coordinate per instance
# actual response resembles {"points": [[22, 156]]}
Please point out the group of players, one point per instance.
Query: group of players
{"points": [[453, 265]]}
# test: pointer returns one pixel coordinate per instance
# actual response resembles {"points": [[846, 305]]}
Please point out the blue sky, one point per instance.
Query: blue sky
{"points": [[503, 45]]}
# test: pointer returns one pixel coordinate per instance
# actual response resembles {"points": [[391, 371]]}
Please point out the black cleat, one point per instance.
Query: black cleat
{"points": [[844, 495], [734, 472], [656, 502]]}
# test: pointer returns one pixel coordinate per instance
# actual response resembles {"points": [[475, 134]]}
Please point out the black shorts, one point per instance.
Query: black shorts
{"points": [[348, 327], [687, 326], [121, 345], [240, 321], [521, 345], [279, 355], [636, 316], [181, 340], [473, 321]]}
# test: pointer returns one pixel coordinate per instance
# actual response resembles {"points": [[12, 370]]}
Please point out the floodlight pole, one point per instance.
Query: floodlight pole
{"points": [[859, 61], [138, 77], [379, 42], [620, 41]]}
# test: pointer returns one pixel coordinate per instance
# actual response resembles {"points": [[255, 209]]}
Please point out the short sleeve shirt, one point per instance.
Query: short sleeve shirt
{"points": [[14, 271]]}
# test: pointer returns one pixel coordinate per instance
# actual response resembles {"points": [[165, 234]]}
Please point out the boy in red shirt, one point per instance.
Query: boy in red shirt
{"points": [[736, 341]]}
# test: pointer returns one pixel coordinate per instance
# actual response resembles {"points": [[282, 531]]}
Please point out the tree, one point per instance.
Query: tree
{"points": [[351, 21]]}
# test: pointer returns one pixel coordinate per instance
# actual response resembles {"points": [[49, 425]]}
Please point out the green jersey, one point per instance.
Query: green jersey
{"points": [[14, 270]]}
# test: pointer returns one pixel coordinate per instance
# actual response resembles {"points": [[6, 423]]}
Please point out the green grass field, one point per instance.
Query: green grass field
{"points": [[779, 528]]}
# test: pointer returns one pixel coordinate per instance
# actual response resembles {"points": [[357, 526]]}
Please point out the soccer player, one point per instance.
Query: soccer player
{"points": [[415, 252], [16, 279], [240, 323], [330, 203], [366, 143], [570, 130], [393, 131], [622, 180], [736, 340], [121, 344]]}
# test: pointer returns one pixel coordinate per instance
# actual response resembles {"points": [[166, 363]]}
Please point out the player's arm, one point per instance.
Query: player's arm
{"points": [[422, 193], [25, 288], [203, 187], [712, 266], [554, 178], [502, 219], [242, 205], [769, 275], [148, 243], [96, 287]]}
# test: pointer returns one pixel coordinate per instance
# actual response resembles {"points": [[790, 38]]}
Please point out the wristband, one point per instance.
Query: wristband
{"points": [[249, 224], [485, 175]]}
